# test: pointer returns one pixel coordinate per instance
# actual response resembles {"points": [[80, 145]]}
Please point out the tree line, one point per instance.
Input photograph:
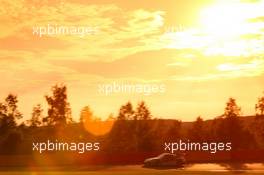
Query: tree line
{"points": [[134, 129], [129, 134]]}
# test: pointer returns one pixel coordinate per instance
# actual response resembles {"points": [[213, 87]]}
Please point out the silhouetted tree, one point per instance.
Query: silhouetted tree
{"points": [[232, 109], [122, 132], [59, 112], [6, 124], [3, 109], [197, 132], [9, 113], [37, 116], [4, 120], [142, 128], [258, 125], [142, 112], [174, 132], [259, 107], [12, 135], [86, 115], [131, 131], [126, 112], [11, 107], [11, 142], [230, 128], [258, 129]]}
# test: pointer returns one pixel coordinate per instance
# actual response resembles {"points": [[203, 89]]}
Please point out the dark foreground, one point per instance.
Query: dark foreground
{"points": [[197, 169]]}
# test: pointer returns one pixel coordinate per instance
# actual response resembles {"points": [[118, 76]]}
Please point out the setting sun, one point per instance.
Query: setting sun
{"points": [[224, 20]]}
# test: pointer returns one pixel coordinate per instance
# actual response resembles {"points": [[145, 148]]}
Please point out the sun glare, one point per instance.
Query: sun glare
{"points": [[222, 30], [224, 20]]}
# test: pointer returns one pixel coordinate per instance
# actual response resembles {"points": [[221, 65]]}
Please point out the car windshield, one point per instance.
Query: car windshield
{"points": [[164, 155]]}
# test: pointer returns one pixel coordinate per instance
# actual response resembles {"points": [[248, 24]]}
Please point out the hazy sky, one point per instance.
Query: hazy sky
{"points": [[214, 51]]}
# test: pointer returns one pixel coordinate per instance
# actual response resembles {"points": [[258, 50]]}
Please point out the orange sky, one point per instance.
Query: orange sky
{"points": [[214, 51]]}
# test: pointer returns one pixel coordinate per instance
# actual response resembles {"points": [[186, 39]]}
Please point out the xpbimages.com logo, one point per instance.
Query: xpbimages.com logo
{"points": [[52, 146], [212, 147], [60, 30], [145, 89]]}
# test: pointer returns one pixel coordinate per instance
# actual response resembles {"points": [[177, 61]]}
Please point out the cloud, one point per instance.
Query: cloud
{"points": [[237, 69], [12, 43], [133, 66], [131, 46]]}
